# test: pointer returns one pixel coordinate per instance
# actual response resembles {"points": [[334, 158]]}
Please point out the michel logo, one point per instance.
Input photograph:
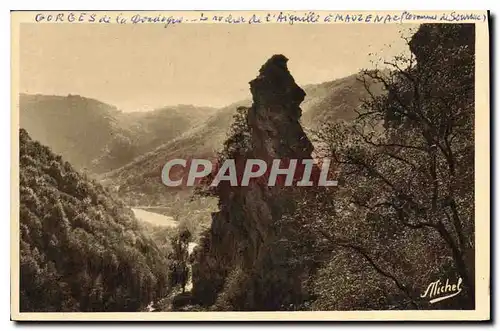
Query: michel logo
{"points": [[438, 291]]}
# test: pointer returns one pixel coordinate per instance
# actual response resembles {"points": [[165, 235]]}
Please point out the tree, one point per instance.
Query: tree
{"points": [[179, 270], [407, 163]]}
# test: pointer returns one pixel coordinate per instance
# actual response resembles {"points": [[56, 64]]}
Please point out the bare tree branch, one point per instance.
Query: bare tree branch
{"points": [[342, 243]]}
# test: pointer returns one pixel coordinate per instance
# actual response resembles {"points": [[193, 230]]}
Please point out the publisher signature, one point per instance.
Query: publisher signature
{"points": [[438, 291]]}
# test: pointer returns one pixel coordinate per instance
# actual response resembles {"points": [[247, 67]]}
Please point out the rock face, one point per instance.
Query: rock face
{"points": [[234, 260], [447, 37], [275, 113]]}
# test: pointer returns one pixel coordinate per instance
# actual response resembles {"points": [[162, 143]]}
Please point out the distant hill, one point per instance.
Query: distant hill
{"points": [[334, 101], [80, 249], [94, 135], [140, 179], [76, 127]]}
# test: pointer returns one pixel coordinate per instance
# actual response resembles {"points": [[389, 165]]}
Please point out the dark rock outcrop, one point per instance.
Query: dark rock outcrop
{"points": [[275, 113], [238, 253]]}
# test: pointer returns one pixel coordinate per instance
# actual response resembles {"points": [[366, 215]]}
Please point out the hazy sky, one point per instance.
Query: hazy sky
{"points": [[141, 67]]}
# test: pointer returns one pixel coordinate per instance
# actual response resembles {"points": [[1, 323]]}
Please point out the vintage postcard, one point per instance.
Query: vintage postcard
{"points": [[217, 165]]}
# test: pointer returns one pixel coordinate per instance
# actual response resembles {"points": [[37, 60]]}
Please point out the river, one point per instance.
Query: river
{"points": [[163, 220], [154, 218]]}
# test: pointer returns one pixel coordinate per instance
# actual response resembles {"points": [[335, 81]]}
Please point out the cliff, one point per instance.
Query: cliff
{"points": [[240, 263]]}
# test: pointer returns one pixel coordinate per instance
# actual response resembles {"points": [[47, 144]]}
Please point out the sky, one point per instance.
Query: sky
{"points": [[143, 67]]}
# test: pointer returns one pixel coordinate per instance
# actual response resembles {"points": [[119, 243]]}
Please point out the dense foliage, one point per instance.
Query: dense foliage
{"points": [[404, 212], [80, 249]]}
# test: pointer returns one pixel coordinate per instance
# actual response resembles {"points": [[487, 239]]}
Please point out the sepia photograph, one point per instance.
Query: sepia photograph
{"points": [[214, 162]]}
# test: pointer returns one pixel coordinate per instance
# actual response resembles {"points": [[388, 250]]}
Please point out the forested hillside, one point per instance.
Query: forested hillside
{"points": [[98, 137], [80, 249], [336, 100], [76, 127]]}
